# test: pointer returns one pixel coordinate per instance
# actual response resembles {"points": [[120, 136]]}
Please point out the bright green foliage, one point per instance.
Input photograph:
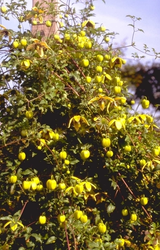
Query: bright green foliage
{"points": [[70, 184]]}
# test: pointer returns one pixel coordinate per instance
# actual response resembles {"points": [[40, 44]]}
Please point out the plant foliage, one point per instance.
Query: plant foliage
{"points": [[78, 170]]}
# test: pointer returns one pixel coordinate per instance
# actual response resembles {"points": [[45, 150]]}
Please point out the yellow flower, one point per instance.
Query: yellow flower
{"points": [[39, 46], [76, 178], [40, 19], [35, 8], [88, 23], [40, 11], [134, 119], [25, 64], [77, 120], [102, 101], [42, 142], [118, 123], [117, 62], [13, 224]]}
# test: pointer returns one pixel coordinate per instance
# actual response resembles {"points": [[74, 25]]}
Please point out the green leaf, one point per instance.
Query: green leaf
{"points": [[130, 16], [9, 217], [94, 245], [37, 237], [110, 208], [157, 168], [141, 30], [27, 172], [131, 25], [51, 240]]}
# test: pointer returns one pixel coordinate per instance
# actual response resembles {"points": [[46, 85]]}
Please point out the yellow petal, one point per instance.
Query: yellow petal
{"points": [[41, 19], [34, 8], [84, 120], [111, 122], [2, 26], [40, 11], [76, 125], [143, 117], [84, 23], [108, 106], [88, 23], [101, 97], [102, 105], [35, 40], [94, 99], [40, 51], [44, 44], [42, 142], [19, 223], [9, 222], [86, 196], [93, 196], [77, 118], [76, 178], [93, 185], [88, 186], [70, 121], [69, 189], [147, 126], [149, 118], [130, 119], [123, 121], [119, 98], [30, 47], [108, 98], [155, 126], [118, 124], [14, 226], [116, 61], [138, 120], [74, 191], [156, 161], [95, 119]]}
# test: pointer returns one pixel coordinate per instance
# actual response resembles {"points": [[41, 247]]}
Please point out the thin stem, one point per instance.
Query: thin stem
{"points": [[22, 209], [134, 196], [68, 245], [78, 69], [66, 83], [132, 141], [75, 245], [38, 97], [127, 186], [10, 143], [51, 152]]}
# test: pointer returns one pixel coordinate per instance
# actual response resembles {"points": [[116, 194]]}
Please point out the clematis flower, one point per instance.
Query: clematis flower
{"points": [[88, 23], [13, 224], [77, 121], [117, 62]]}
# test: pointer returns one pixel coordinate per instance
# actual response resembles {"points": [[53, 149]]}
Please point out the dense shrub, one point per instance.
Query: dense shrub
{"points": [[78, 170]]}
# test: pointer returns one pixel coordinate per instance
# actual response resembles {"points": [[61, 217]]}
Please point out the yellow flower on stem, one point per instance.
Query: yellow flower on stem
{"points": [[39, 46], [117, 62], [88, 23], [77, 121], [13, 224], [118, 123], [102, 99]]}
